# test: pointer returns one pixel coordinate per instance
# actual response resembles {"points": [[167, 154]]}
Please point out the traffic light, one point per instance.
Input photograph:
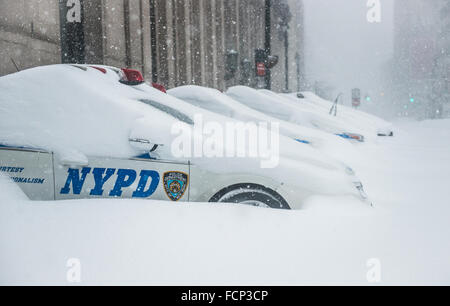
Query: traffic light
{"points": [[368, 99], [412, 100]]}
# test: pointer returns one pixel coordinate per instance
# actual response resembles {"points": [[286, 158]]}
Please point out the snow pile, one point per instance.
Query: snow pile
{"points": [[279, 107], [78, 113], [215, 101], [331, 241], [9, 191], [368, 124], [67, 110], [148, 242], [209, 99]]}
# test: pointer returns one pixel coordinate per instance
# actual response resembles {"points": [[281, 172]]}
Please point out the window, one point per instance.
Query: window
{"points": [[170, 111], [212, 106]]}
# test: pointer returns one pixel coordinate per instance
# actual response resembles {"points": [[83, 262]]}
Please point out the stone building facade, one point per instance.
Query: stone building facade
{"points": [[173, 42], [29, 34]]}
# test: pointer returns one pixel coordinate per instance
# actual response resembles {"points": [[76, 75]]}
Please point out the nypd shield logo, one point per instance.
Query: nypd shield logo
{"points": [[175, 184]]}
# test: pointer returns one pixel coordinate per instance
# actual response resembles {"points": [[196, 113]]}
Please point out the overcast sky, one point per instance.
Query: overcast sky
{"points": [[342, 47]]}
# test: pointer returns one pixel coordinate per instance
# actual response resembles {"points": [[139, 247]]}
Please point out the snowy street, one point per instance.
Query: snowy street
{"points": [[147, 242], [271, 143]]}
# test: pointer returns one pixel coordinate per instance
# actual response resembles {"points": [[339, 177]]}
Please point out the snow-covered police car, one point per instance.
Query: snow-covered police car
{"points": [[262, 100], [215, 101], [70, 132], [365, 123]]}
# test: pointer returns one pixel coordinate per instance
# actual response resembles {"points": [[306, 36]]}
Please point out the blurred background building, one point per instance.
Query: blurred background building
{"points": [[421, 63], [173, 42]]}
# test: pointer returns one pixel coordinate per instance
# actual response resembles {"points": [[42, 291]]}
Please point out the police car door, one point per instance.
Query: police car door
{"points": [[31, 169], [122, 178], [133, 178]]}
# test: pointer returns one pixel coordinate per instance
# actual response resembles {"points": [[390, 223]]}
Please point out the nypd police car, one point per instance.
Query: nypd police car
{"points": [[110, 138]]}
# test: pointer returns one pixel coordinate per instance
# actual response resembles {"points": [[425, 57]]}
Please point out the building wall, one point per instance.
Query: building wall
{"points": [[191, 38], [192, 48], [297, 79], [29, 34]]}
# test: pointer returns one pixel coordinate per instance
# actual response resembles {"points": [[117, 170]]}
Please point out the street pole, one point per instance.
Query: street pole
{"points": [[73, 43], [286, 57], [297, 60], [153, 41], [268, 38]]}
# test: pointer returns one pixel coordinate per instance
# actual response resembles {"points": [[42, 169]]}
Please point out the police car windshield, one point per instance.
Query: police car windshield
{"points": [[217, 108], [169, 110], [264, 106]]}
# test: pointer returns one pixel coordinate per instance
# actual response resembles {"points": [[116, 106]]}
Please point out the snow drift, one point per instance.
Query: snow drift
{"points": [[122, 242]]}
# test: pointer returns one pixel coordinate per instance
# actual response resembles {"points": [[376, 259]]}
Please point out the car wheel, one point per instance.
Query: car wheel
{"points": [[251, 194]]}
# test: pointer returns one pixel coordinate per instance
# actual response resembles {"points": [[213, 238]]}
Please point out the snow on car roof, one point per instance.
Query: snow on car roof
{"points": [[214, 100], [79, 113], [277, 106], [206, 98], [356, 117], [61, 108]]}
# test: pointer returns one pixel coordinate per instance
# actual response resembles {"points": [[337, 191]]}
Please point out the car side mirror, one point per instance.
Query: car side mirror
{"points": [[144, 145]]}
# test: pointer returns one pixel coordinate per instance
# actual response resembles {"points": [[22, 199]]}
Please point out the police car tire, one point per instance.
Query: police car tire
{"points": [[251, 193]]}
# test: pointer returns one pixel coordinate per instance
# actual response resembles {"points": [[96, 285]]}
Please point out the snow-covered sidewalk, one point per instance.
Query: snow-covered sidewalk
{"points": [[147, 242]]}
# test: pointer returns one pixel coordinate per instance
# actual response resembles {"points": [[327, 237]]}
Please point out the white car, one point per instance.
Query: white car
{"points": [[213, 100], [71, 131], [281, 108], [368, 124]]}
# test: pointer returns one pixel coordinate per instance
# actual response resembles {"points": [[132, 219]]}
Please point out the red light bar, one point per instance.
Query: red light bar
{"points": [[357, 137], [103, 70], [132, 77], [159, 87]]}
